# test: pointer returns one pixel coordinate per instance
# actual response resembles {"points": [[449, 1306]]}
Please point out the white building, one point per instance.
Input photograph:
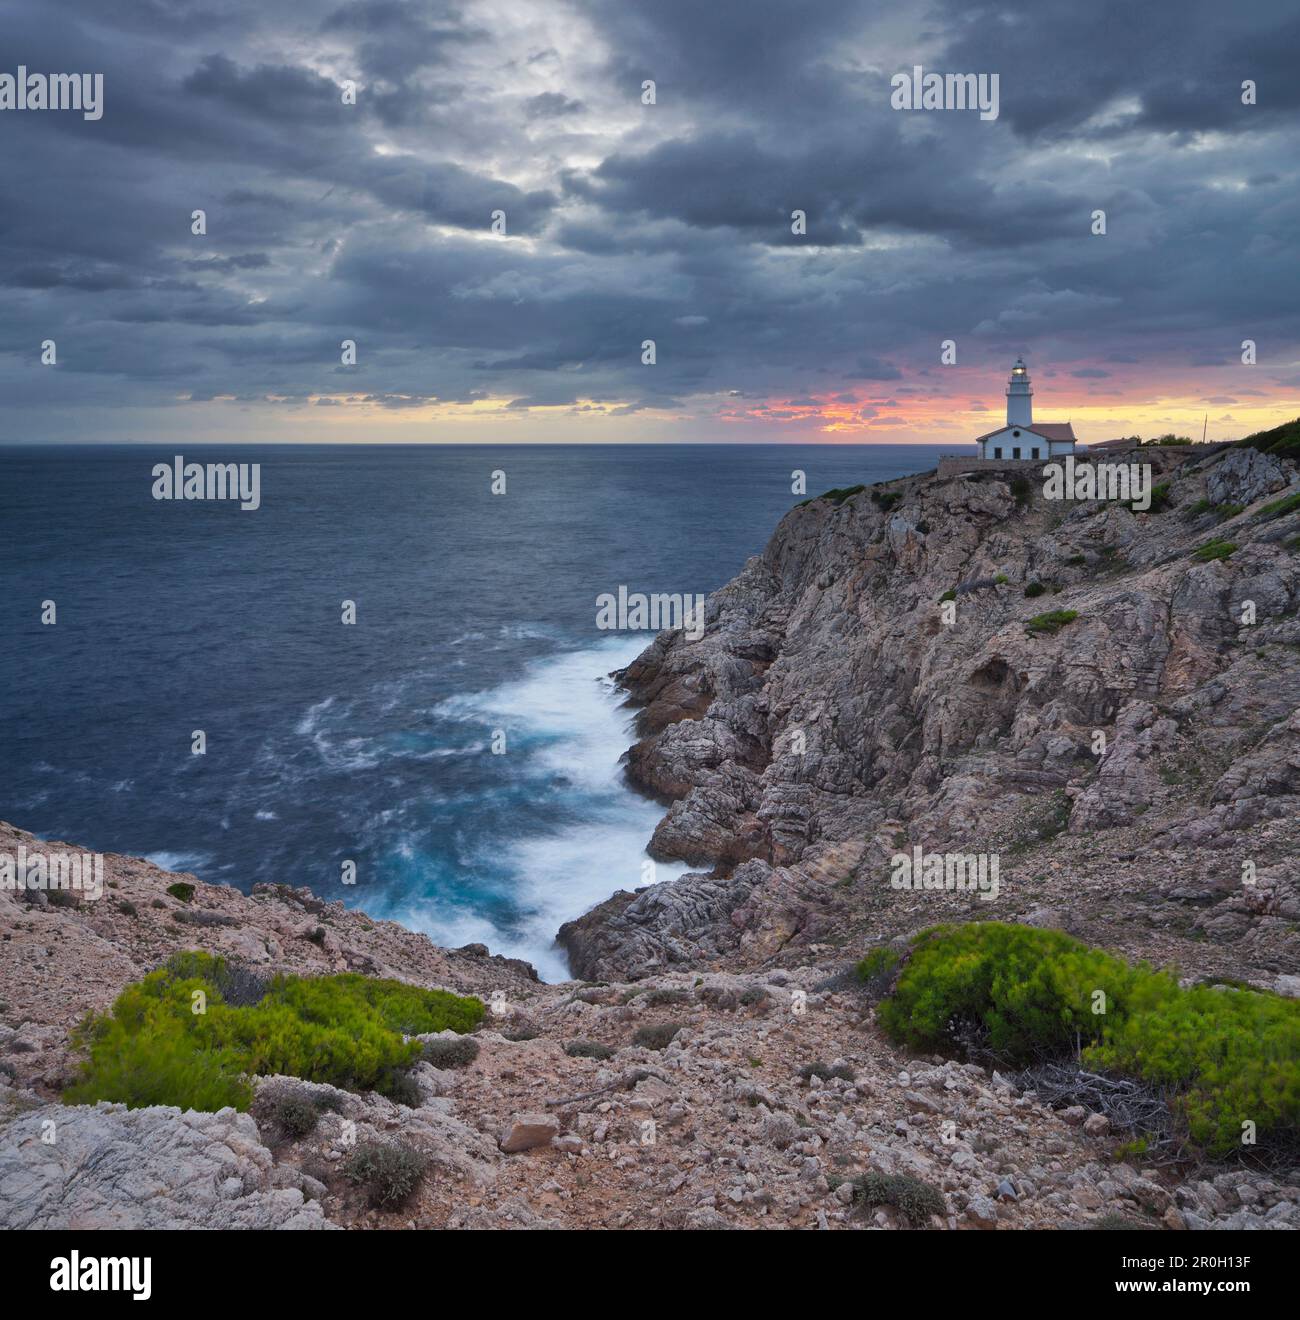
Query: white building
{"points": [[1022, 437]]}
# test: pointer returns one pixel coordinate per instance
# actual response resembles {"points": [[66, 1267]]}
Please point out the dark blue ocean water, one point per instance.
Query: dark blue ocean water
{"points": [[371, 743]]}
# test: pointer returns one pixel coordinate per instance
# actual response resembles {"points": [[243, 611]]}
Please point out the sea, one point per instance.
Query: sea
{"points": [[460, 744]]}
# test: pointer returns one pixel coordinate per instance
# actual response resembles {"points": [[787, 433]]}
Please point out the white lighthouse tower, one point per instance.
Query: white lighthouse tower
{"points": [[1020, 396], [1022, 439]]}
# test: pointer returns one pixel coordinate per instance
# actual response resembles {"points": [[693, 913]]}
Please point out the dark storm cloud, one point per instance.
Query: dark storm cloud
{"points": [[627, 222]]}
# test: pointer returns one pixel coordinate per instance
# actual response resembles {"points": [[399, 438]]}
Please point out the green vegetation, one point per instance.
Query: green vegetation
{"points": [[389, 1171], [836, 496], [1284, 440], [453, 1052], [914, 1199], [1001, 580], [1075, 561], [294, 1114], [181, 891], [1227, 1057], [1051, 622], [587, 1049], [1222, 511], [1033, 589], [657, 1037], [1020, 488], [1213, 549], [1160, 496], [878, 963], [1287, 504], [175, 1039], [950, 594], [886, 499], [1170, 439]]}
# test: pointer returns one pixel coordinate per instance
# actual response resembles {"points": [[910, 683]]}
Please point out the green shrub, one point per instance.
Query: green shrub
{"points": [[294, 1114], [1225, 1056], [657, 1037], [389, 1171], [1284, 440], [128, 909], [1214, 549], [453, 1052], [152, 1048], [181, 891], [836, 496], [587, 1049], [914, 1199], [663, 998], [1020, 488], [755, 994], [1160, 497], [886, 499], [1287, 504], [1051, 622], [1001, 579], [1035, 589], [878, 964], [1075, 561], [950, 594]]}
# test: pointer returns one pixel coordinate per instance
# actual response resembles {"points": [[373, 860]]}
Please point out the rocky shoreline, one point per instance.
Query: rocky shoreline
{"points": [[718, 1065]]}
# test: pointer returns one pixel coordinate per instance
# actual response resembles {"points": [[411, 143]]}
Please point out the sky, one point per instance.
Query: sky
{"points": [[368, 217]]}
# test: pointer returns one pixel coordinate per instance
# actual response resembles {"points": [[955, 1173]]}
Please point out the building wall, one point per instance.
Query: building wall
{"points": [[952, 465], [1029, 445]]}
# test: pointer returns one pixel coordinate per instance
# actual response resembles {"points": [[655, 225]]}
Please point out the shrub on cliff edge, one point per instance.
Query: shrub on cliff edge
{"points": [[174, 1039], [1227, 1057]]}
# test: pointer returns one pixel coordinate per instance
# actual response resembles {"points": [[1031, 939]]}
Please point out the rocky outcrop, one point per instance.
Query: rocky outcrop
{"points": [[104, 1166], [879, 677]]}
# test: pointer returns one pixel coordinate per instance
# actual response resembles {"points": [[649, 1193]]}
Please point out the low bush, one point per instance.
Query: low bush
{"points": [[389, 1171], [1277, 508], [1227, 1057], [1035, 589], [587, 1049], [1284, 440], [657, 1037], [294, 1114], [451, 1052], [1161, 494], [182, 892], [836, 496], [1214, 549], [347, 1030], [914, 1199], [1051, 622]]}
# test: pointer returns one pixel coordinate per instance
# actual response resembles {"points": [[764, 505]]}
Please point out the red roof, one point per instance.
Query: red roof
{"points": [[1057, 431]]}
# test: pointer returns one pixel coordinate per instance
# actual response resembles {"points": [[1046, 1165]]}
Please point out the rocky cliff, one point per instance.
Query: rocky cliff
{"points": [[880, 678]]}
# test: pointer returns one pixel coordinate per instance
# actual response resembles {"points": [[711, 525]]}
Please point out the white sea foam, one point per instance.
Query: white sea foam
{"points": [[568, 703]]}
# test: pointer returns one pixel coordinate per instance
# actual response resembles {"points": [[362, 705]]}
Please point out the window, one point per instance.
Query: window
{"points": [[997, 453], [1016, 434]]}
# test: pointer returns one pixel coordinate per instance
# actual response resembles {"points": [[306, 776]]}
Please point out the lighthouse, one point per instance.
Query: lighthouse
{"points": [[1022, 439], [1020, 396]]}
